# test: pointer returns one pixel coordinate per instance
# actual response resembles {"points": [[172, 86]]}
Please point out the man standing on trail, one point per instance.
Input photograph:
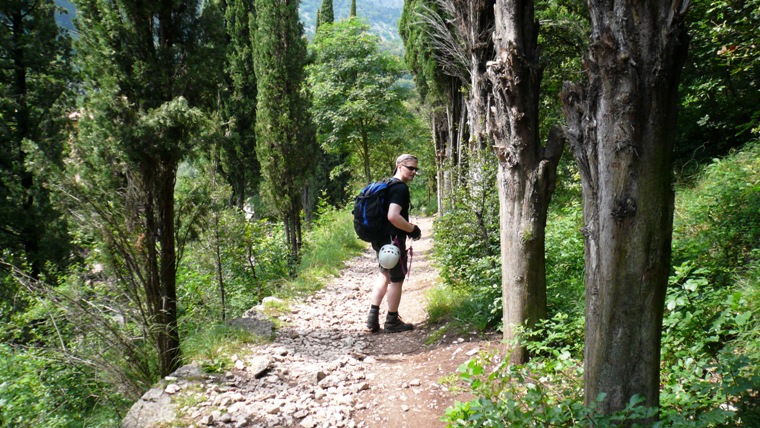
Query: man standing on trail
{"points": [[390, 281]]}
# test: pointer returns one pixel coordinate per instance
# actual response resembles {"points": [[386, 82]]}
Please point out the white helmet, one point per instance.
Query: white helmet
{"points": [[388, 256]]}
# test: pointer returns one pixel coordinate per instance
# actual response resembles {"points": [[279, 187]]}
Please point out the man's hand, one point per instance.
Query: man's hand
{"points": [[416, 233]]}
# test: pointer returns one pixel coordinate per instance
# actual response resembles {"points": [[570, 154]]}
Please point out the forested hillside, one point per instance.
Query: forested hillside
{"points": [[382, 16], [170, 164]]}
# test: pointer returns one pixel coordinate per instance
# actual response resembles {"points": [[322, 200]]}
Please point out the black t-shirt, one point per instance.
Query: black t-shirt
{"points": [[398, 193]]}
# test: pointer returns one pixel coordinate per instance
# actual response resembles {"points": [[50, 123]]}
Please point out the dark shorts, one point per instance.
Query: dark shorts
{"points": [[398, 273]]}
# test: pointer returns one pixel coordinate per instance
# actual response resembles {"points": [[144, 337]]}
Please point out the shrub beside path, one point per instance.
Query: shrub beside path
{"points": [[325, 369]]}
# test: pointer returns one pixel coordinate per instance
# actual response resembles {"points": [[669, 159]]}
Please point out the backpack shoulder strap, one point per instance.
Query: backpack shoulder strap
{"points": [[392, 180]]}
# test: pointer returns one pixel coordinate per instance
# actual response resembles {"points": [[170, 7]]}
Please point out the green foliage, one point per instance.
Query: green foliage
{"points": [[325, 14], [719, 90], [698, 390], [354, 97], [253, 257], [36, 95], [236, 147], [37, 389], [710, 372], [441, 303], [213, 347], [717, 222], [330, 241], [286, 148], [710, 364], [563, 37], [546, 393], [557, 337], [145, 86], [421, 54], [564, 257], [467, 248], [89, 319], [459, 310]]}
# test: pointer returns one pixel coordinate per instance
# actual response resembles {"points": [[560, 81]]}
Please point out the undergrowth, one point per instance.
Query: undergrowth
{"points": [[328, 243], [710, 349]]}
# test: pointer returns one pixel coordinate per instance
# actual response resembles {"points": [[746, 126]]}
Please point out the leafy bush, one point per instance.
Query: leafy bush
{"points": [[707, 374], [562, 334], [710, 347], [542, 393], [564, 258], [467, 254], [467, 249], [461, 310], [329, 241], [252, 257], [212, 347], [717, 222], [38, 389]]}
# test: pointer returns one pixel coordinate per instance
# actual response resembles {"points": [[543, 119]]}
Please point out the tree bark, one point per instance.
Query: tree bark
{"points": [[476, 21], [160, 261], [527, 171], [171, 357], [439, 128], [365, 155], [621, 129]]}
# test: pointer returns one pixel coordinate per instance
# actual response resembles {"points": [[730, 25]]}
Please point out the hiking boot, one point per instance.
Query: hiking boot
{"points": [[394, 324], [372, 322]]}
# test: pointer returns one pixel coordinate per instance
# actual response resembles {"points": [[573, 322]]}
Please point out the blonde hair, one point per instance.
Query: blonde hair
{"points": [[405, 157]]}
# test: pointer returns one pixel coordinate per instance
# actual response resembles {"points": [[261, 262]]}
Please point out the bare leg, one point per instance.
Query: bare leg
{"points": [[380, 288], [394, 295]]}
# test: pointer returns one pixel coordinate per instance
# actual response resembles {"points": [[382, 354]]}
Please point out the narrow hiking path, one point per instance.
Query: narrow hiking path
{"points": [[325, 369]]}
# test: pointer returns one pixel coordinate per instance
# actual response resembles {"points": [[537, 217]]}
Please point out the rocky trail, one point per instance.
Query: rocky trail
{"points": [[324, 368]]}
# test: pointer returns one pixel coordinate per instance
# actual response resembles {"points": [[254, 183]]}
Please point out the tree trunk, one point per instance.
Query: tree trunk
{"points": [[365, 155], [30, 226], [292, 222], [219, 266], [477, 22], [166, 315], [527, 171], [621, 129], [437, 124]]}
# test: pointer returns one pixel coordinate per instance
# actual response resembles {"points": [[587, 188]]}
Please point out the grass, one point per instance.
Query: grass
{"points": [[452, 382], [456, 312], [213, 346], [328, 245]]}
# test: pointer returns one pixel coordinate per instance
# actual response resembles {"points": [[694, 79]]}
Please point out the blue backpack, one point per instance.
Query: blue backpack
{"points": [[370, 211]]}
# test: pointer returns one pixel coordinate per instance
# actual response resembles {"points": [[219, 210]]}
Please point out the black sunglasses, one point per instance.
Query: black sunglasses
{"points": [[411, 168]]}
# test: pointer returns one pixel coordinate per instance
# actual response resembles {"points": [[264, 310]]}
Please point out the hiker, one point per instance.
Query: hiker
{"points": [[389, 282]]}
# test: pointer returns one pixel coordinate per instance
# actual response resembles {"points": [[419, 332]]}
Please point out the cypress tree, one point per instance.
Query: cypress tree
{"points": [[35, 72], [236, 152], [325, 15], [352, 13], [286, 146], [147, 65]]}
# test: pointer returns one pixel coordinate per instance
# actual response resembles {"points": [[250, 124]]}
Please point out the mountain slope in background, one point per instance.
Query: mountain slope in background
{"points": [[382, 15]]}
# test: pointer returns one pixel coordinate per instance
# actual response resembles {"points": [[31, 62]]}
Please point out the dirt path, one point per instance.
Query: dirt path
{"points": [[411, 382], [411, 379], [325, 369]]}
